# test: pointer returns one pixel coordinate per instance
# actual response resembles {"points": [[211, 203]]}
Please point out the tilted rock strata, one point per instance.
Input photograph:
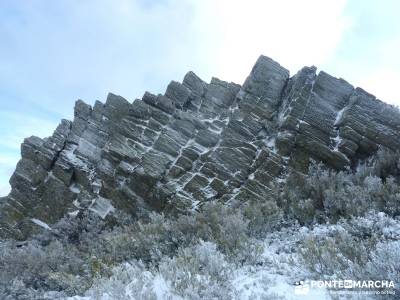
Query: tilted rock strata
{"points": [[197, 142]]}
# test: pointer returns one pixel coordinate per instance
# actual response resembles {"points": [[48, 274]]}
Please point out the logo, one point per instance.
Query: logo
{"points": [[339, 286], [301, 288]]}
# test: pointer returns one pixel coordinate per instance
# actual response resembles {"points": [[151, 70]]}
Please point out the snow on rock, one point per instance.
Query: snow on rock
{"points": [[73, 213], [339, 116], [336, 142], [75, 188], [271, 143], [101, 206], [41, 223]]}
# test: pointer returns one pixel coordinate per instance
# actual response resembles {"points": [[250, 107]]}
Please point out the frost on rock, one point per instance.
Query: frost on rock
{"points": [[75, 189], [41, 224], [336, 142], [101, 206], [339, 116]]}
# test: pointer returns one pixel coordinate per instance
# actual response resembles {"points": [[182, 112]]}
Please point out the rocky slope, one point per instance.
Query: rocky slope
{"points": [[198, 141]]}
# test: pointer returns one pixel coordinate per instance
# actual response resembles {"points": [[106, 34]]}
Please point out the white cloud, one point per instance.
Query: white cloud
{"points": [[58, 51], [65, 50], [295, 33], [23, 126], [7, 166], [4, 189], [383, 80], [383, 83]]}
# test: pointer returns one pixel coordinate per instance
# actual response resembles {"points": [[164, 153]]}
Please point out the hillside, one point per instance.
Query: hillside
{"points": [[210, 191]]}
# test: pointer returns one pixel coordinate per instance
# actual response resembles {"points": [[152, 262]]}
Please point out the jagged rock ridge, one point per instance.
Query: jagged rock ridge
{"points": [[197, 142]]}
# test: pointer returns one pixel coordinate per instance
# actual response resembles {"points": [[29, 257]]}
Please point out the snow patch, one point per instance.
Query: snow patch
{"points": [[339, 116], [41, 223], [75, 188], [281, 180], [271, 144], [96, 185], [336, 142], [71, 157], [101, 206], [73, 213]]}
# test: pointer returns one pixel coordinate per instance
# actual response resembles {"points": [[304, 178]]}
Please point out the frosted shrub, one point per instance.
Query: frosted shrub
{"points": [[78, 230], [153, 240], [353, 199], [263, 217], [304, 211], [391, 197], [324, 194], [67, 259], [384, 263], [198, 272], [225, 226], [346, 200], [377, 225], [386, 163], [334, 253], [362, 248], [44, 268], [161, 236], [297, 199], [16, 289], [129, 281], [383, 164]]}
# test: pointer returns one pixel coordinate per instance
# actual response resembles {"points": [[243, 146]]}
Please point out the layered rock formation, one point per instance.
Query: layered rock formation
{"points": [[199, 141]]}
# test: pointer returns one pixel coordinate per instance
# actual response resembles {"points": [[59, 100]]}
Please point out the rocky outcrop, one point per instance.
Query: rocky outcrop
{"points": [[199, 141]]}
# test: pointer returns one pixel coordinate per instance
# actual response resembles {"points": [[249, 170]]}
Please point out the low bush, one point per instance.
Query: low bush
{"points": [[198, 272], [326, 195], [77, 251], [263, 217], [192, 252], [363, 248]]}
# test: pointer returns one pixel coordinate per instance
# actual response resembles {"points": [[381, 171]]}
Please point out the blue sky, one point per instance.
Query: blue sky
{"points": [[54, 52]]}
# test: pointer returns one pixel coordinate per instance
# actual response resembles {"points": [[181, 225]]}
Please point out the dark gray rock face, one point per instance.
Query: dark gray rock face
{"points": [[199, 141]]}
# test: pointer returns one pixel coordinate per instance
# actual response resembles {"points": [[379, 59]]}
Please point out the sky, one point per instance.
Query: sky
{"points": [[55, 52]]}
